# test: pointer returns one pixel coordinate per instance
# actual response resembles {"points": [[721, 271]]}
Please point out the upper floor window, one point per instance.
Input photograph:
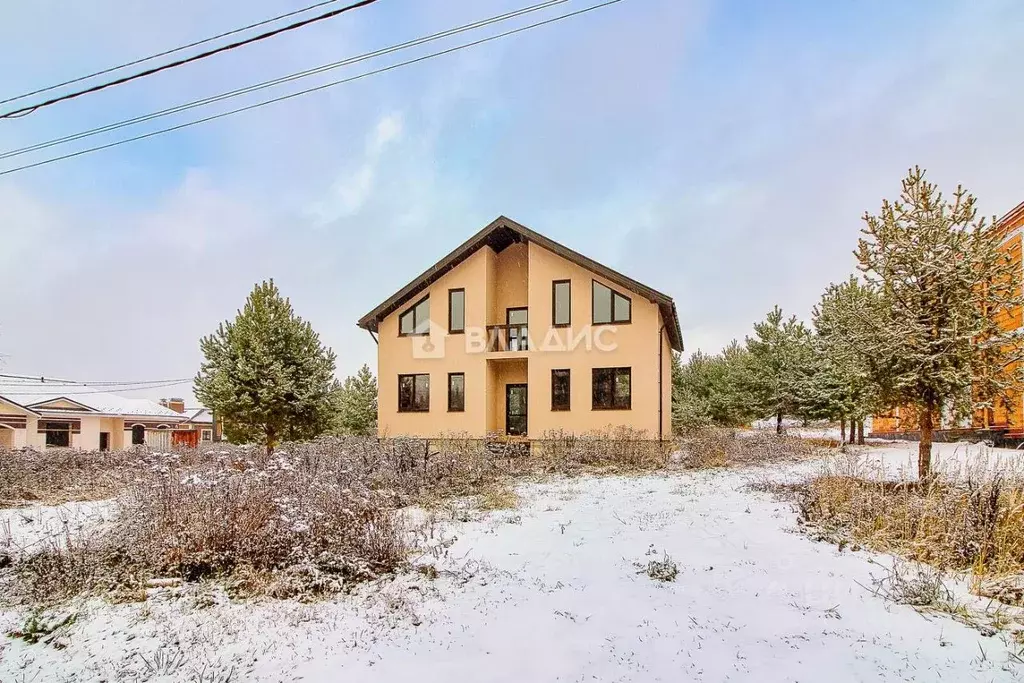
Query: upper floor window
{"points": [[456, 310], [561, 303], [610, 306], [416, 320], [612, 388], [413, 393]]}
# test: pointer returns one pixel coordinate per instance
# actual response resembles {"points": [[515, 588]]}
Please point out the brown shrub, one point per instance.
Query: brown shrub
{"points": [[969, 520], [709, 448]]}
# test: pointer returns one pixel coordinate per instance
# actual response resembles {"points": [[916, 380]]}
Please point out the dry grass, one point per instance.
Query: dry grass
{"points": [[967, 518], [498, 498], [711, 448], [56, 476]]}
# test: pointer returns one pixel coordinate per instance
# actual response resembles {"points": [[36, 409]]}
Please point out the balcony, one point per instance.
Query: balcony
{"points": [[503, 338]]}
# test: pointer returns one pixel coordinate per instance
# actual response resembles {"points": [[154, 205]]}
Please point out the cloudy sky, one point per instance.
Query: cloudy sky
{"points": [[719, 151]]}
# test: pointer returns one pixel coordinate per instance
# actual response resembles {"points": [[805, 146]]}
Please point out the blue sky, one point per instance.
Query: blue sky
{"points": [[722, 152]]}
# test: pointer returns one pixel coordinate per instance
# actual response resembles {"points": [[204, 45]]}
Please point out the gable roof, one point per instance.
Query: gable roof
{"points": [[17, 405], [499, 234], [35, 393]]}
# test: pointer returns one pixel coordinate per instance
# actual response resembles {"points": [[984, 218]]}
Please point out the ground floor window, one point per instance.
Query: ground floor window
{"points": [[413, 393], [559, 390], [138, 435], [206, 435], [58, 434], [612, 388], [456, 392]]}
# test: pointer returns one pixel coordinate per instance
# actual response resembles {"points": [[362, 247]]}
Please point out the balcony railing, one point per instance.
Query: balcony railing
{"points": [[507, 338]]}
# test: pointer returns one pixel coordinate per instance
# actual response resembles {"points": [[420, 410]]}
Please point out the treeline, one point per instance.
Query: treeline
{"points": [[920, 325]]}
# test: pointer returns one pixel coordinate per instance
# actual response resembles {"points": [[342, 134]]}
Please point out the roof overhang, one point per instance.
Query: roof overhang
{"points": [[501, 233], [9, 402]]}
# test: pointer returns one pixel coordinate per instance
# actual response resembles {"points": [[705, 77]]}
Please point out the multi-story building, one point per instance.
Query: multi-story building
{"points": [[514, 334]]}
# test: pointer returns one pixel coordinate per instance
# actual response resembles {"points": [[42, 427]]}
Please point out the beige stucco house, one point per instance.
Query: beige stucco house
{"points": [[515, 334], [40, 413]]}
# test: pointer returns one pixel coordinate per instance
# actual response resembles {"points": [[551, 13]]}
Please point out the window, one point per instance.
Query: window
{"points": [[456, 311], [610, 306], [416, 320], [138, 435], [413, 393], [456, 392], [206, 434], [612, 388], [561, 304], [559, 390], [58, 434]]}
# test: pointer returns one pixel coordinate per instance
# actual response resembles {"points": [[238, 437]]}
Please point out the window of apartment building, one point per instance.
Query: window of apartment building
{"points": [[610, 306], [561, 303], [456, 311], [612, 388], [413, 393], [416, 320], [58, 434], [559, 390], [206, 434], [456, 392]]}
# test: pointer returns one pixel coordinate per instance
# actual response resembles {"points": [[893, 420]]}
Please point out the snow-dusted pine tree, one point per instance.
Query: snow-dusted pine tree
{"points": [[841, 386], [267, 374], [943, 285], [357, 404], [711, 389], [780, 362]]}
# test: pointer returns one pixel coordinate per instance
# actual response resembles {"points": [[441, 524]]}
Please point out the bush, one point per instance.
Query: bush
{"points": [[60, 475], [709, 448]]}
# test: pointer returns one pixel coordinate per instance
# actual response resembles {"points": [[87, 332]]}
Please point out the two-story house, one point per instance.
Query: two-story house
{"points": [[515, 334]]}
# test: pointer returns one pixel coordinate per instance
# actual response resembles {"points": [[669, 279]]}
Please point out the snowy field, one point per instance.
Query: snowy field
{"points": [[551, 591]]}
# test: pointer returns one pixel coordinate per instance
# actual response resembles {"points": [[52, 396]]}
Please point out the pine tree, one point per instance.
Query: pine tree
{"points": [[780, 361], [267, 374], [357, 404], [711, 389], [840, 387], [935, 340]]}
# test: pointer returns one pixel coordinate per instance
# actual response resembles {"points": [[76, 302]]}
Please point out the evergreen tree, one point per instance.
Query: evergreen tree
{"points": [[710, 389], [840, 386], [781, 360], [357, 404], [943, 285], [267, 374]]}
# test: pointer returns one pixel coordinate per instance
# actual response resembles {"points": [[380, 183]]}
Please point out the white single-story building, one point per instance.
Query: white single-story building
{"points": [[37, 412]]}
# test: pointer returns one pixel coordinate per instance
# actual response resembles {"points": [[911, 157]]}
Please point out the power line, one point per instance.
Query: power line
{"points": [[28, 109], [84, 393], [54, 380], [283, 79], [168, 52], [308, 90]]}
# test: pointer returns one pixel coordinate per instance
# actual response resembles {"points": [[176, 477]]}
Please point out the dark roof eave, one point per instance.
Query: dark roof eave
{"points": [[666, 305]]}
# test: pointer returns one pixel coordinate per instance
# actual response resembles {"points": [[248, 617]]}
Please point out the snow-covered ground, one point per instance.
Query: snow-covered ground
{"points": [[25, 528], [551, 591]]}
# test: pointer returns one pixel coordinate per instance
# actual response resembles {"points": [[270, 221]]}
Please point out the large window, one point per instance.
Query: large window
{"points": [[559, 390], [413, 393], [416, 320], [456, 392], [610, 306], [612, 388], [561, 303], [456, 311], [58, 434]]}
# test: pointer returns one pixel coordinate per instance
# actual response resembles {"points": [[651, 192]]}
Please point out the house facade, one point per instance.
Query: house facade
{"points": [[44, 413], [514, 334], [1005, 417]]}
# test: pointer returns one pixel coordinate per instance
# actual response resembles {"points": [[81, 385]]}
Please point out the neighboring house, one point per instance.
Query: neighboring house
{"points": [[40, 412], [1006, 417], [199, 426], [515, 334]]}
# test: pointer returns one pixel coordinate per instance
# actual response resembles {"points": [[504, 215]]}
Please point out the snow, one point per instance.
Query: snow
{"points": [[551, 591], [25, 528]]}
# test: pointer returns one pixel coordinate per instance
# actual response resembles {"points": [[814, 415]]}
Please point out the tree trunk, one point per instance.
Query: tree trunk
{"points": [[924, 449], [778, 423], [842, 431], [860, 432]]}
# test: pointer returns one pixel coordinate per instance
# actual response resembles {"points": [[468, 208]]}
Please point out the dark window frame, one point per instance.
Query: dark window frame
{"points": [[558, 407], [614, 293], [452, 330], [462, 408], [411, 310], [615, 373], [58, 428], [554, 299], [412, 406]]}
